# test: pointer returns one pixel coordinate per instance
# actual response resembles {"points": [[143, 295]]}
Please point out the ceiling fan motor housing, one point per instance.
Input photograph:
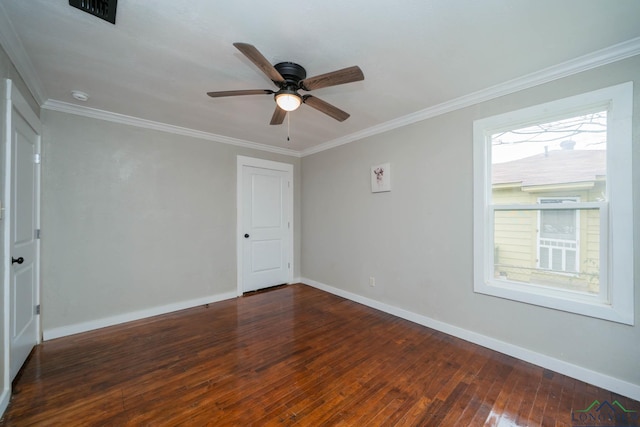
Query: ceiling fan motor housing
{"points": [[291, 72]]}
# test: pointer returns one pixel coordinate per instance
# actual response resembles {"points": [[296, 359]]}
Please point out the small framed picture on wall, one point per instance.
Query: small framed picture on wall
{"points": [[381, 178]]}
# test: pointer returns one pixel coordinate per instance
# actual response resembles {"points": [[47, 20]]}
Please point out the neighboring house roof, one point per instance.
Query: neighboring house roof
{"points": [[555, 167]]}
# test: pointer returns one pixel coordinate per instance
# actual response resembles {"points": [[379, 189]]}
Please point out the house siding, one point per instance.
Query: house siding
{"points": [[516, 239]]}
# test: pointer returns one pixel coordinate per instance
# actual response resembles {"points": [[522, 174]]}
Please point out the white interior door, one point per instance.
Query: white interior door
{"points": [[266, 234], [23, 245]]}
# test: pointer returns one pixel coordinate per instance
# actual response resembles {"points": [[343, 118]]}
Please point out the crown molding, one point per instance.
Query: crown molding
{"points": [[12, 44], [592, 60], [16, 52], [163, 127]]}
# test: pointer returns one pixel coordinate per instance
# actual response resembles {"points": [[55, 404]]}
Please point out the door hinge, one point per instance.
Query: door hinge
{"points": [[38, 309], [289, 265], [37, 233], [36, 158]]}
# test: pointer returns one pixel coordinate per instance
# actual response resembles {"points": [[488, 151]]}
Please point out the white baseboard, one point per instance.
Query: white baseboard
{"points": [[574, 371], [4, 400], [63, 331]]}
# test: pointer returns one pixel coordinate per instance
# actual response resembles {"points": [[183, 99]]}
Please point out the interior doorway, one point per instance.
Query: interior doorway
{"points": [[265, 224]]}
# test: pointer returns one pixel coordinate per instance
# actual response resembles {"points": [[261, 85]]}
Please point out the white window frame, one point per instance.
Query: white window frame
{"points": [[615, 300]]}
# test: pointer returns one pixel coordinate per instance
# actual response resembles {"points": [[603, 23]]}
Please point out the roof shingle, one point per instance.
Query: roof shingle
{"points": [[555, 167]]}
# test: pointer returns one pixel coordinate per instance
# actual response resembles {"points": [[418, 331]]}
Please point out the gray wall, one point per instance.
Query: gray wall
{"points": [[134, 219], [8, 71], [417, 239]]}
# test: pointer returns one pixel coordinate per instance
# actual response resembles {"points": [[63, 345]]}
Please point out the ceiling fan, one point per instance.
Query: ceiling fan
{"points": [[290, 77]]}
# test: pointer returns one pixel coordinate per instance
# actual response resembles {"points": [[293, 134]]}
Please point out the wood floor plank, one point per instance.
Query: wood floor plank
{"points": [[290, 356], [528, 393], [536, 412]]}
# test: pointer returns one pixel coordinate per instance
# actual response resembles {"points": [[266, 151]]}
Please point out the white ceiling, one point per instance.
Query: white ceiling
{"points": [[161, 57]]}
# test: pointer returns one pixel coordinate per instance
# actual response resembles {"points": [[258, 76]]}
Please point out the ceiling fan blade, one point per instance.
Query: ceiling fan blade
{"points": [[278, 116], [334, 78], [240, 92], [325, 107], [260, 61]]}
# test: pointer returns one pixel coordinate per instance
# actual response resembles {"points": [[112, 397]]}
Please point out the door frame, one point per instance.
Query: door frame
{"points": [[243, 161], [13, 99]]}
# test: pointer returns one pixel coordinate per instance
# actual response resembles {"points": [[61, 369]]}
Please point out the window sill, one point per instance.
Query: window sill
{"points": [[568, 301]]}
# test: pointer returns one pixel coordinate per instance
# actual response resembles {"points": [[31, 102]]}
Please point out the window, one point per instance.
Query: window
{"points": [[558, 243], [553, 205]]}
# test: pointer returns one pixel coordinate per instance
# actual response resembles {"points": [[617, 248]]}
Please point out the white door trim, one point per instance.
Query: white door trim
{"points": [[265, 164], [13, 99]]}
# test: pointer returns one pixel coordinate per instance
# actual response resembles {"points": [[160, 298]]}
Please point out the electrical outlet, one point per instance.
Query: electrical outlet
{"points": [[372, 281]]}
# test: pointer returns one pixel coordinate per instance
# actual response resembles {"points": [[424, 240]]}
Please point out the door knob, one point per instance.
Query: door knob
{"points": [[18, 260], [246, 236]]}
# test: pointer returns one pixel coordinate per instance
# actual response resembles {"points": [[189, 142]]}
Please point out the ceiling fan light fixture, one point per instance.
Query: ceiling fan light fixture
{"points": [[288, 100]]}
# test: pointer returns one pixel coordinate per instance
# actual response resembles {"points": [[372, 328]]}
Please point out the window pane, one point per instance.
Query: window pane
{"points": [[558, 224], [544, 257], [540, 160], [556, 260], [570, 261]]}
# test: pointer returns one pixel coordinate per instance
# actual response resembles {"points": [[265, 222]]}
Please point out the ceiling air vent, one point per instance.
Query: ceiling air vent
{"points": [[104, 9]]}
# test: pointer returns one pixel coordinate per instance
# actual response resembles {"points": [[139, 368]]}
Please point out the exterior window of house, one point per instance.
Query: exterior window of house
{"points": [[553, 205], [558, 240]]}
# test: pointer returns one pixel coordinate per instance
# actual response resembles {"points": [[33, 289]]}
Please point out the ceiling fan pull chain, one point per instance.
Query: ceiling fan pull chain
{"points": [[288, 126]]}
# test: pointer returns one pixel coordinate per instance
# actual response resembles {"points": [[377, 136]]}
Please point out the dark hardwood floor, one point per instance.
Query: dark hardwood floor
{"points": [[291, 356]]}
